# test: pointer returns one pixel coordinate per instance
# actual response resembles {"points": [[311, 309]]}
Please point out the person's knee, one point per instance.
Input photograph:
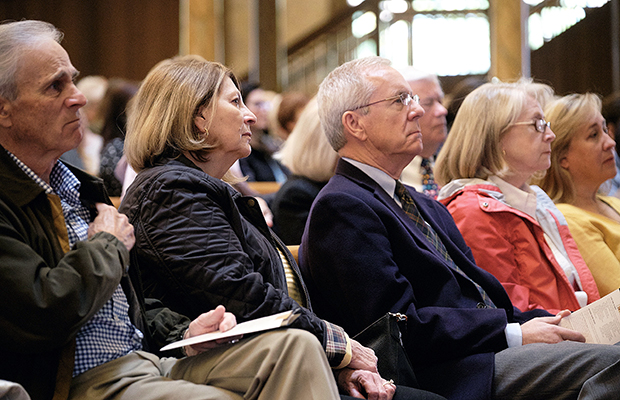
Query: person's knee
{"points": [[302, 339]]}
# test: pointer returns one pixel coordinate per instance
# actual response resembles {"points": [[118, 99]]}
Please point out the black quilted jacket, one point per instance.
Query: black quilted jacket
{"points": [[199, 243]]}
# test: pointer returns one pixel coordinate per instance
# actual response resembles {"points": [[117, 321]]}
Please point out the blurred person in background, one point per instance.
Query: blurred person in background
{"points": [[88, 153], [260, 164], [455, 98], [289, 109], [311, 160], [114, 119], [419, 173]]}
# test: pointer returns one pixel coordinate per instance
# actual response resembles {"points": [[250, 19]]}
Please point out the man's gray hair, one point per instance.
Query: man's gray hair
{"points": [[15, 36], [345, 88], [412, 74]]}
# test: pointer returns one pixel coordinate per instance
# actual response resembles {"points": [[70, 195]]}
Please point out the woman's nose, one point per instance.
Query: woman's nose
{"points": [[549, 135], [609, 143], [249, 117]]}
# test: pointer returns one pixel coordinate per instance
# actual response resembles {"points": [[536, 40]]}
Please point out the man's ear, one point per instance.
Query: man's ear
{"points": [[354, 125], [5, 113]]}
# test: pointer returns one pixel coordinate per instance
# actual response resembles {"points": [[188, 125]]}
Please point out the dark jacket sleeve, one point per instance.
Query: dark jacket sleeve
{"points": [[165, 326], [195, 253], [51, 302]]}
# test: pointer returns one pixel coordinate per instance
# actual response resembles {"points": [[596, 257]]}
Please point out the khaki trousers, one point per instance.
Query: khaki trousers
{"points": [[283, 364]]}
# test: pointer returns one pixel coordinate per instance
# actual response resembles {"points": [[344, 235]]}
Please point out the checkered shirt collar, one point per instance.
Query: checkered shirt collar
{"points": [[63, 182]]}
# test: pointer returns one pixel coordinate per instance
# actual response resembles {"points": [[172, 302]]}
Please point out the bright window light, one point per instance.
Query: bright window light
{"points": [[364, 24], [583, 3], [366, 49], [451, 44], [394, 6], [394, 41], [449, 5], [354, 3], [550, 22]]}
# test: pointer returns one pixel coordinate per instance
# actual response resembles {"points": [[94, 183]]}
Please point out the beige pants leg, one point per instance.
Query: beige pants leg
{"points": [[283, 364]]}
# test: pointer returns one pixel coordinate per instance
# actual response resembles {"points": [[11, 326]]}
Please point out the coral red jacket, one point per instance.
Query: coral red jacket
{"points": [[511, 245]]}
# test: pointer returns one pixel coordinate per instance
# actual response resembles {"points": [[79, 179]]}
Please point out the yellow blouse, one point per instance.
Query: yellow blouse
{"points": [[598, 241]]}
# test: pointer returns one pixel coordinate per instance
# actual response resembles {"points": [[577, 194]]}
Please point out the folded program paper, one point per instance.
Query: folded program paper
{"points": [[256, 325], [599, 322]]}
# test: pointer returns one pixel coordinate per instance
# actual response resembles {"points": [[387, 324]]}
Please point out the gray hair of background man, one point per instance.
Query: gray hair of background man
{"points": [[412, 74], [14, 37], [345, 88]]}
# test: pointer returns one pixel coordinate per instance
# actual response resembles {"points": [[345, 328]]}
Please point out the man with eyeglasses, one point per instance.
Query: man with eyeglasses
{"points": [[419, 172], [373, 245]]}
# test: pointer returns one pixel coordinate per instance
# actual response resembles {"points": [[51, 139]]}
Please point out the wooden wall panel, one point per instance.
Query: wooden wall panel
{"points": [[578, 60], [114, 38]]}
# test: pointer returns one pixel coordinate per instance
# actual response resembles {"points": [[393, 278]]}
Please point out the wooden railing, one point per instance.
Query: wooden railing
{"points": [[332, 44]]}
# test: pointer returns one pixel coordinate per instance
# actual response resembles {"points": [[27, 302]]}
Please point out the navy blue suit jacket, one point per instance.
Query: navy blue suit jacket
{"points": [[362, 256]]}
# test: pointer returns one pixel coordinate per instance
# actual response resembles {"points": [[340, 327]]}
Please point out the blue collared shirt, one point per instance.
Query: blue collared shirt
{"points": [[109, 334]]}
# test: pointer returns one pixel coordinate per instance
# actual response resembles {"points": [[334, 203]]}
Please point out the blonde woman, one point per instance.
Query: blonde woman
{"points": [[498, 141], [582, 158], [311, 159]]}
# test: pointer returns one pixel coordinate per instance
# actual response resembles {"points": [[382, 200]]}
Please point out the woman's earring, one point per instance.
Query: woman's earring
{"points": [[504, 152]]}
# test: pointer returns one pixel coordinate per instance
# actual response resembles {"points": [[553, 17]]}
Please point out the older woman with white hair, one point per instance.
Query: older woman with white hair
{"points": [[582, 159], [311, 159], [498, 141]]}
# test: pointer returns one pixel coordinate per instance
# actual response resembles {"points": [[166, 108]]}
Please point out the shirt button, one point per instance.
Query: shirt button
{"points": [[251, 202], [485, 204], [481, 305]]}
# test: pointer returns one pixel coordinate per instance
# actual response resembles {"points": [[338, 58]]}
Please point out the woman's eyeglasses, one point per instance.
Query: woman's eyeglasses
{"points": [[540, 124]]}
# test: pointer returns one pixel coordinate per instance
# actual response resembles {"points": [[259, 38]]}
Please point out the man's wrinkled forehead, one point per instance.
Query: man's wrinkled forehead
{"points": [[43, 64], [386, 78]]}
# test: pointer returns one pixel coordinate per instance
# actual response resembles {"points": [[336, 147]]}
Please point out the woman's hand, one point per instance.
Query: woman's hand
{"points": [[364, 384], [211, 321]]}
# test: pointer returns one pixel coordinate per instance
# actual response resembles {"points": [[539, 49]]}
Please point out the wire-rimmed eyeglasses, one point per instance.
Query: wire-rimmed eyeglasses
{"points": [[404, 98], [539, 123]]}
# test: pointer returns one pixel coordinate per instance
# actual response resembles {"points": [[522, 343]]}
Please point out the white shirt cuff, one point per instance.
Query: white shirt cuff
{"points": [[514, 336]]}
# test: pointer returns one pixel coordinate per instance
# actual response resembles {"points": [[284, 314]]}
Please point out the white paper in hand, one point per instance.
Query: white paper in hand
{"points": [[256, 325]]}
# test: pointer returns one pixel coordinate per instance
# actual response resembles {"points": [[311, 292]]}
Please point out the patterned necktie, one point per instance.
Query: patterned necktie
{"points": [[412, 211], [429, 187]]}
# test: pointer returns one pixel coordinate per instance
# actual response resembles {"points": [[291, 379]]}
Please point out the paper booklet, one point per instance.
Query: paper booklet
{"points": [[599, 322], [256, 325]]}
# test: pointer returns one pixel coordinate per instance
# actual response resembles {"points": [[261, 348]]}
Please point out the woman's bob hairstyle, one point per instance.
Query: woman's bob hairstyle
{"points": [[161, 115]]}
